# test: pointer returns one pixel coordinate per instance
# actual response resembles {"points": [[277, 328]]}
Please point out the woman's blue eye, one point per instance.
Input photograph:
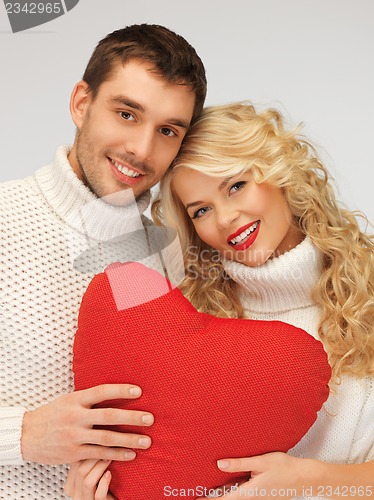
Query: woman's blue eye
{"points": [[237, 186], [200, 212]]}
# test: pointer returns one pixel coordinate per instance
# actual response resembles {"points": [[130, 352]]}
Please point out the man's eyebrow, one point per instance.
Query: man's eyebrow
{"points": [[126, 101], [179, 123]]}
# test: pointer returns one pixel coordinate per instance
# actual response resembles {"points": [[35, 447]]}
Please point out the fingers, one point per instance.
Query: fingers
{"points": [[88, 480], [108, 438], [113, 416], [96, 452], [103, 487], [72, 427], [98, 443], [70, 479], [256, 464], [238, 464], [105, 392]]}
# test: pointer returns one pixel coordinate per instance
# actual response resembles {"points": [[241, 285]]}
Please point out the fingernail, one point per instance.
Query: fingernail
{"points": [[147, 419], [135, 391], [130, 455], [144, 442], [223, 464]]}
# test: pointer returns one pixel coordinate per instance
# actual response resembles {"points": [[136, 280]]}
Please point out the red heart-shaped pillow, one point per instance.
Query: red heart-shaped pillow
{"points": [[217, 387]]}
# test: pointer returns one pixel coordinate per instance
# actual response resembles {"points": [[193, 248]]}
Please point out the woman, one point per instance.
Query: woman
{"points": [[264, 238]]}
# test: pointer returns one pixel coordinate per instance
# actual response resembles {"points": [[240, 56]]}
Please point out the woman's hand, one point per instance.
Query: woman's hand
{"points": [[280, 476], [273, 475], [89, 480]]}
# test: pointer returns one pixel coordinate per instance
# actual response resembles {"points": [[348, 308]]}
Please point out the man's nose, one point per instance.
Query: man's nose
{"points": [[141, 143]]}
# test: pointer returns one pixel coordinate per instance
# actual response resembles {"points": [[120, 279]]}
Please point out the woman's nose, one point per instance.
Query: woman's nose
{"points": [[227, 216]]}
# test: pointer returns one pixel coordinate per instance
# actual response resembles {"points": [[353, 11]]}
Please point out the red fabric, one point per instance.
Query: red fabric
{"points": [[217, 387]]}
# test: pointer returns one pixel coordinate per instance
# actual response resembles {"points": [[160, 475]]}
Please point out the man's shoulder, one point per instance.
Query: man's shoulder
{"points": [[9, 185], [40, 173], [15, 189], [20, 195]]}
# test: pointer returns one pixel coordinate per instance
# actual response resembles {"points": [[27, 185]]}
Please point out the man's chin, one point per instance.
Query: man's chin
{"points": [[120, 198]]}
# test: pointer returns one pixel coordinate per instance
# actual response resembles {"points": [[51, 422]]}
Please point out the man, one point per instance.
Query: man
{"points": [[142, 88]]}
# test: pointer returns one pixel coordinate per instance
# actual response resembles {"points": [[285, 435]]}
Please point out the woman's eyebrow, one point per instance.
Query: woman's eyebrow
{"points": [[193, 204], [224, 183], [220, 187]]}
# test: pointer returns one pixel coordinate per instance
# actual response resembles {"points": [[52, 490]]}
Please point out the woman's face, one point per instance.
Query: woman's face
{"points": [[246, 222]]}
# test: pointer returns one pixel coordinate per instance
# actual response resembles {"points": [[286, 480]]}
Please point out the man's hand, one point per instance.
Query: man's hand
{"points": [[62, 431]]}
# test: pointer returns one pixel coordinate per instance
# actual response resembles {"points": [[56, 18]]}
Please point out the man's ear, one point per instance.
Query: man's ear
{"points": [[79, 102]]}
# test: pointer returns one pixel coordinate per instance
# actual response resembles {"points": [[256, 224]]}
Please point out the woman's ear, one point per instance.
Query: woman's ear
{"points": [[79, 102]]}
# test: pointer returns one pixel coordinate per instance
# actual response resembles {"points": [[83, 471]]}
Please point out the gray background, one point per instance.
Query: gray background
{"points": [[313, 59]]}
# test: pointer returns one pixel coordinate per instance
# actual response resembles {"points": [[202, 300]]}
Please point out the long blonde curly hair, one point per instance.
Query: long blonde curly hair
{"points": [[229, 139]]}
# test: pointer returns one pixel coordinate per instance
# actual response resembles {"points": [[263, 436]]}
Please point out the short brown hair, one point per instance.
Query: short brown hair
{"points": [[170, 54]]}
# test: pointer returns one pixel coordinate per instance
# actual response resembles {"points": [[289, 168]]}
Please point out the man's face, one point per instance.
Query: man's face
{"points": [[130, 133]]}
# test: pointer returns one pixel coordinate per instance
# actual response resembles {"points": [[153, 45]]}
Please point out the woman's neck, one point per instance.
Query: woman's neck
{"points": [[282, 283]]}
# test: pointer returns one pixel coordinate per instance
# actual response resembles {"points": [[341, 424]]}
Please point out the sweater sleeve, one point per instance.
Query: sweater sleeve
{"points": [[363, 444], [10, 435]]}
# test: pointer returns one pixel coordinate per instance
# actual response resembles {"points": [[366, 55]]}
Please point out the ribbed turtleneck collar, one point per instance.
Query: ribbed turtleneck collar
{"points": [[77, 206], [282, 283]]}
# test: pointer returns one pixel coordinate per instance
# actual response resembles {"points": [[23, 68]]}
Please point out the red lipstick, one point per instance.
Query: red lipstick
{"points": [[247, 241]]}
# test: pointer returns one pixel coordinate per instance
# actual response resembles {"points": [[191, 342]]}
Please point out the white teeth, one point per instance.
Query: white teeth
{"points": [[125, 170], [244, 234]]}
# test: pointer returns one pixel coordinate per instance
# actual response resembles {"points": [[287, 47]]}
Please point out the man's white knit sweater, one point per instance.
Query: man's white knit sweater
{"points": [[281, 290], [48, 221]]}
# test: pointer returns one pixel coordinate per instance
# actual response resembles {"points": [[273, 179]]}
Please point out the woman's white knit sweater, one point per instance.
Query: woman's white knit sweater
{"points": [[48, 220], [281, 290]]}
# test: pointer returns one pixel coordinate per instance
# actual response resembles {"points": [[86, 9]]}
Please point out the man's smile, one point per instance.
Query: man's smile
{"points": [[124, 173]]}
